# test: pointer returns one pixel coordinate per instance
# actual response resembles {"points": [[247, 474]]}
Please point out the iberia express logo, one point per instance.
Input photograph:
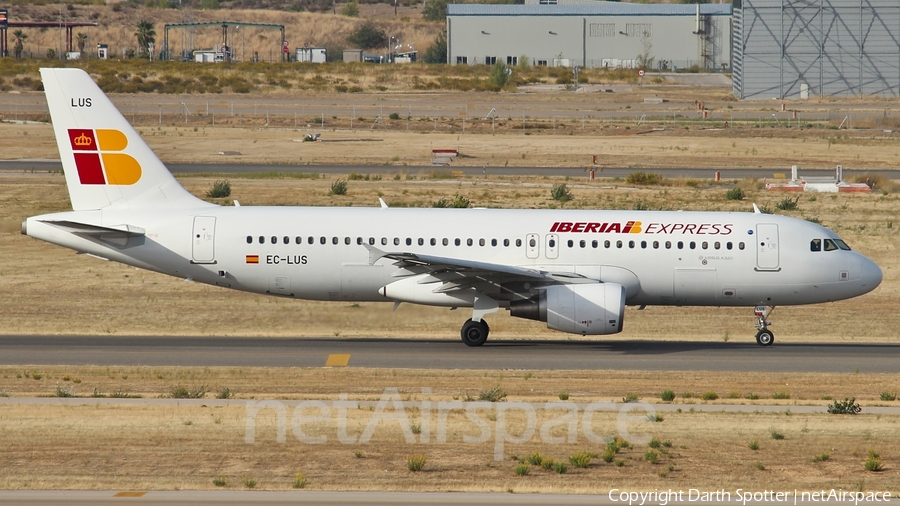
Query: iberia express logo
{"points": [[99, 157]]}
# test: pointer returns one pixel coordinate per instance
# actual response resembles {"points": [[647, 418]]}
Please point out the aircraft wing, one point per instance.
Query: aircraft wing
{"points": [[455, 272]]}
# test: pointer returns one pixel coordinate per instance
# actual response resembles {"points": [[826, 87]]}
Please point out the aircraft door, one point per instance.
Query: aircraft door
{"points": [[532, 247], [552, 247], [203, 240], [767, 247]]}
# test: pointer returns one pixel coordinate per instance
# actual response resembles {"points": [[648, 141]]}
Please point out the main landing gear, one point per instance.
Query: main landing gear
{"points": [[764, 337], [474, 333]]}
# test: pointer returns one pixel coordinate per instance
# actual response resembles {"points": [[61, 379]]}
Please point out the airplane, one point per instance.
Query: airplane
{"points": [[575, 270]]}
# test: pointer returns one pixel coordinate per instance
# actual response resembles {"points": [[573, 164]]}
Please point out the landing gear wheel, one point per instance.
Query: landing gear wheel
{"points": [[765, 337], [474, 333]]}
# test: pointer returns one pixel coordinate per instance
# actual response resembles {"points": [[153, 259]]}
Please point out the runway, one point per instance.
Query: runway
{"points": [[575, 172], [739, 356]]}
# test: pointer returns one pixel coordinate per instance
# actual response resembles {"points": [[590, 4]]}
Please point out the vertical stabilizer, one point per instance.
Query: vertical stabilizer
{"points": [[106, 163]]}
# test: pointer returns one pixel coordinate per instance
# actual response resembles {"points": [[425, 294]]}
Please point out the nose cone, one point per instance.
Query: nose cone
{"points": [[870, 275]]}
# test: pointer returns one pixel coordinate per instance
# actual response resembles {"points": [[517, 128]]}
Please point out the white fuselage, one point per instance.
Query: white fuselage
{"points": [[666, 258]]}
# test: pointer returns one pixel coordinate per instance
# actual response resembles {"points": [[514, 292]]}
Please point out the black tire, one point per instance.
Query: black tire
{"points": [[765, 338], [474, 333]]}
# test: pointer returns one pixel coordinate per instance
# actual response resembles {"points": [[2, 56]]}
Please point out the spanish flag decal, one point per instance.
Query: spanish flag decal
{"points": [[252, 259]]}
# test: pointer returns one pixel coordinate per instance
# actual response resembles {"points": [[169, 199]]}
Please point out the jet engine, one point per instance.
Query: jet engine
{"points": [[586, 309]]}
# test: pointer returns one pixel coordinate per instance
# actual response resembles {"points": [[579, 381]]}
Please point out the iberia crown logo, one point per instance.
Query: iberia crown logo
{"points": [[99, 157]]}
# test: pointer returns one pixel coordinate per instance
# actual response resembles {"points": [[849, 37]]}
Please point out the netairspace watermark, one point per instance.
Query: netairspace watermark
{"points": [[490, 418], [744, 497]]}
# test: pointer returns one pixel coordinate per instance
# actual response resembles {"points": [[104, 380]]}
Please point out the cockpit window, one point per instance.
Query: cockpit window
{"points": [[830, 245], [815, 245], [841, 244]]}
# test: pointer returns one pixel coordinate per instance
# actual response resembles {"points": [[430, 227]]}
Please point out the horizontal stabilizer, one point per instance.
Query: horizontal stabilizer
{"points": [[113, 232]]}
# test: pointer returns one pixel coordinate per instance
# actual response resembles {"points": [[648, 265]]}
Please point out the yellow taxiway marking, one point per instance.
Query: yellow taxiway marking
{"points": [[130, 494], [337, 360]]}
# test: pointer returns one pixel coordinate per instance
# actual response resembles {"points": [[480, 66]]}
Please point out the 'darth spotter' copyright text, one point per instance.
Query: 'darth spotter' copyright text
{"points": [[744, 497]]}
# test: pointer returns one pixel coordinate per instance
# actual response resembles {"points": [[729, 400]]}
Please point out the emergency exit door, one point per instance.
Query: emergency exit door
{"points": [[767, 247], [204, 240]]}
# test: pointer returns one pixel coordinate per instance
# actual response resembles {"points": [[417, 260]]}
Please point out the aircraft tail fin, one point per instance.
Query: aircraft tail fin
{"points": [[105, 161]]}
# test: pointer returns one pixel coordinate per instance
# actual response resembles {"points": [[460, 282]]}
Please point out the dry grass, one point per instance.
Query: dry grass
{"points": [[81, 447], [85, 295]]}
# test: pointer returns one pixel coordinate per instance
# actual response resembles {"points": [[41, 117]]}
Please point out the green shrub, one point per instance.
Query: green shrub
{"points": [[709, 396], [299, 481], [888, 396], [735, 194], [458, 202], [499, 75], [734, 394], [754, 445], [338, 187], [560, 467], [580, 459], [564, 396], [667, 396], [493, 395], [873, 462], [219, 189], [630, 398], [220, 481], [844, 407], [651, 456], [781, 394], [394, 115], [751, 397], [224, 393], [560, 192], [760, 466], [620, 463], [250, 482], [822, 457], [535, 459], [415, 463], [657, 417], [788, 204], [522, 470], [776, 435], [609, 453], [644, 178], [547, 464], [181, 392], [63, 392], [654, 443]]}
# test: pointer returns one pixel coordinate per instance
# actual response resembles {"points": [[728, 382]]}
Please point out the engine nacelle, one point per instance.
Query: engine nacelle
{"points": [[586, 309]]}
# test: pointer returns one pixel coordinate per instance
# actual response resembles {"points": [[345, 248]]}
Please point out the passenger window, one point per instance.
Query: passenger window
{"points": [[445, 242], [594, 244], [570, 242], [668, 244], [396, 241], [680, 245], [815, 245], [740, 245], [643, 244], [582, 243], [655, 244], [618, 244], [717, 245], [518, 243], [347, 240], [408, 241], [728, 245], [249, 239], [322, 240], [262, 240], [274, 240], [830, 245], [433, 241], [456, 241], [469, 242], [286, 240], [505, 243], [359, 240], [631, 244], [384, 241], [298, 240], [704, 245], [481, 242], [493, 242], [334, 240], [693, 245], [532, 242], [371, 241], [311, 240], [552, 243]]}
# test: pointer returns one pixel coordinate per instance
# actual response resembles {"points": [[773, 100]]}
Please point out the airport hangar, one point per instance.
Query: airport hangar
{"points": [[594, 34], [806, 48]]}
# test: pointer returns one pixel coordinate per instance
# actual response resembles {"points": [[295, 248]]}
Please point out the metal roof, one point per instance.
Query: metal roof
{"points": [[589, 9]]}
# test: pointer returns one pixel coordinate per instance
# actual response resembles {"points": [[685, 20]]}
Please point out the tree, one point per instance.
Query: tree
{"points": [[500, 75], [435, 10], [145, 34], [21, 37], [644, 60], [437, 51], [82, 40], [368, 36], [351, 10]]}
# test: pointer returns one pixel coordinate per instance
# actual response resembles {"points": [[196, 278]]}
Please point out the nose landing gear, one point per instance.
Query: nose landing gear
{"points": [[764, 337]]}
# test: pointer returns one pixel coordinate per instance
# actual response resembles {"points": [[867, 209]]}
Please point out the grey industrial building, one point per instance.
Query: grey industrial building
{"points": [[596, 34], [800, 49]]}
